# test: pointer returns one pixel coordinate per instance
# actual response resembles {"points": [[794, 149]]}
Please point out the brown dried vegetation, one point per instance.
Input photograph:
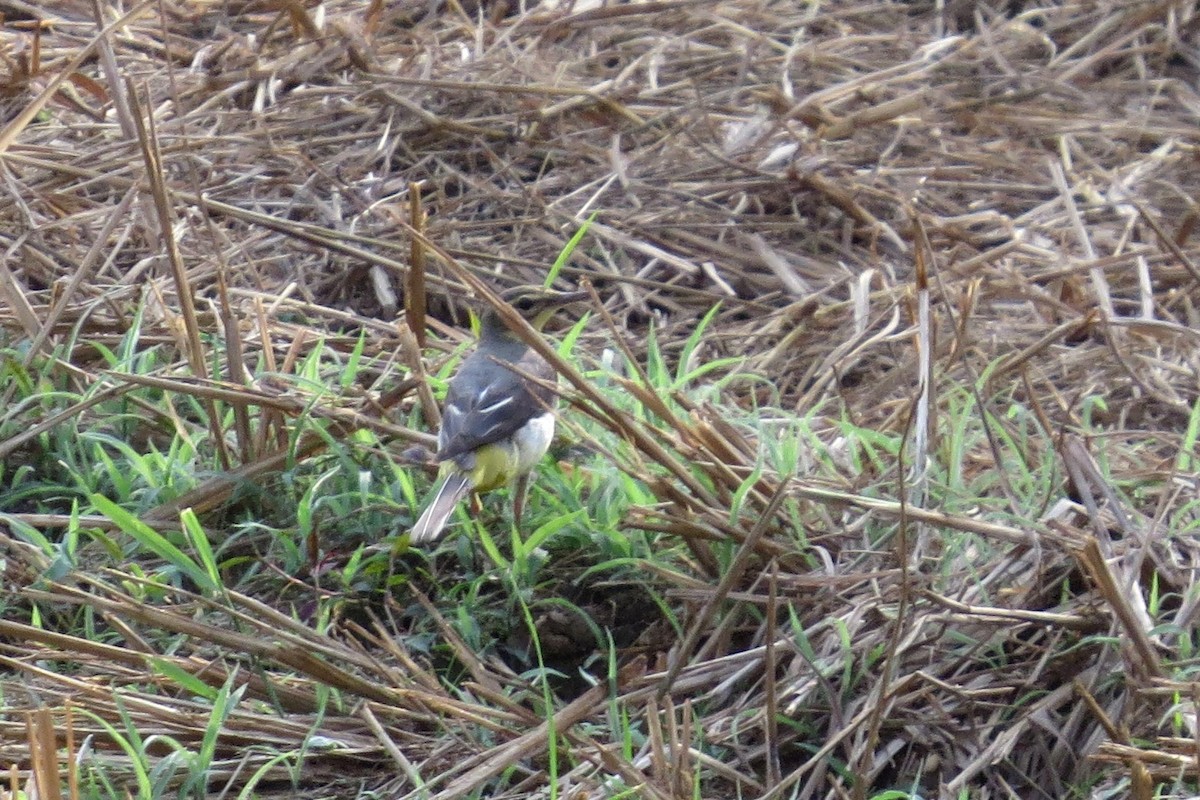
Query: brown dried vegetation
{"points": [[997, 196]]}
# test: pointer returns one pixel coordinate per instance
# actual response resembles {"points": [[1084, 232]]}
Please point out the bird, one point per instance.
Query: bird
{"points": [[497, 422]]}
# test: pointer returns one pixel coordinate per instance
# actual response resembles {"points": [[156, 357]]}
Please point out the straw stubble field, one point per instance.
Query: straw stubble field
{"points": [[878, 464]]}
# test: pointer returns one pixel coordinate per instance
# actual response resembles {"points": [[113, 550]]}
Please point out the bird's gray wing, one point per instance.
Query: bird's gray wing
{"points": [[488, 401]]}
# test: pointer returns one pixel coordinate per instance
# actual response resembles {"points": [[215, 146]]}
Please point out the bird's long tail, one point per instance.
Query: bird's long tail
{"points": [[433, 520]]}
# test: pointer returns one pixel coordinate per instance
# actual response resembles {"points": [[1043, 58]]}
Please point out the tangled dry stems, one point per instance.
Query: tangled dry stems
{"points": [[815, 167]]}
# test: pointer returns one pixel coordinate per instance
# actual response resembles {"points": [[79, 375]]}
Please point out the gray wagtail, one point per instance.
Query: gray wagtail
{"points": [[497, 423]]}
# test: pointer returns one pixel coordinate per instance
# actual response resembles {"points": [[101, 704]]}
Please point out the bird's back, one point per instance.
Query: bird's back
{"points": [[488, 401]]}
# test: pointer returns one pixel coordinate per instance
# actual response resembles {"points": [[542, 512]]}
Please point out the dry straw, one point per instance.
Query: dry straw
{"points": [[236, 170]]}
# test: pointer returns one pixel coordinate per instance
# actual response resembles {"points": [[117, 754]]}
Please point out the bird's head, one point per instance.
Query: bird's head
{"points": [[535, 304]]}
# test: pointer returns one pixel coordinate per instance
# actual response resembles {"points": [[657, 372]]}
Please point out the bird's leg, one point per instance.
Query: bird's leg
{"points": [[520, 493]]}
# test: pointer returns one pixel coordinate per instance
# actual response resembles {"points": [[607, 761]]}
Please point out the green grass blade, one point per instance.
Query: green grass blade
{"points": [[565, 255], [153, 541]]}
